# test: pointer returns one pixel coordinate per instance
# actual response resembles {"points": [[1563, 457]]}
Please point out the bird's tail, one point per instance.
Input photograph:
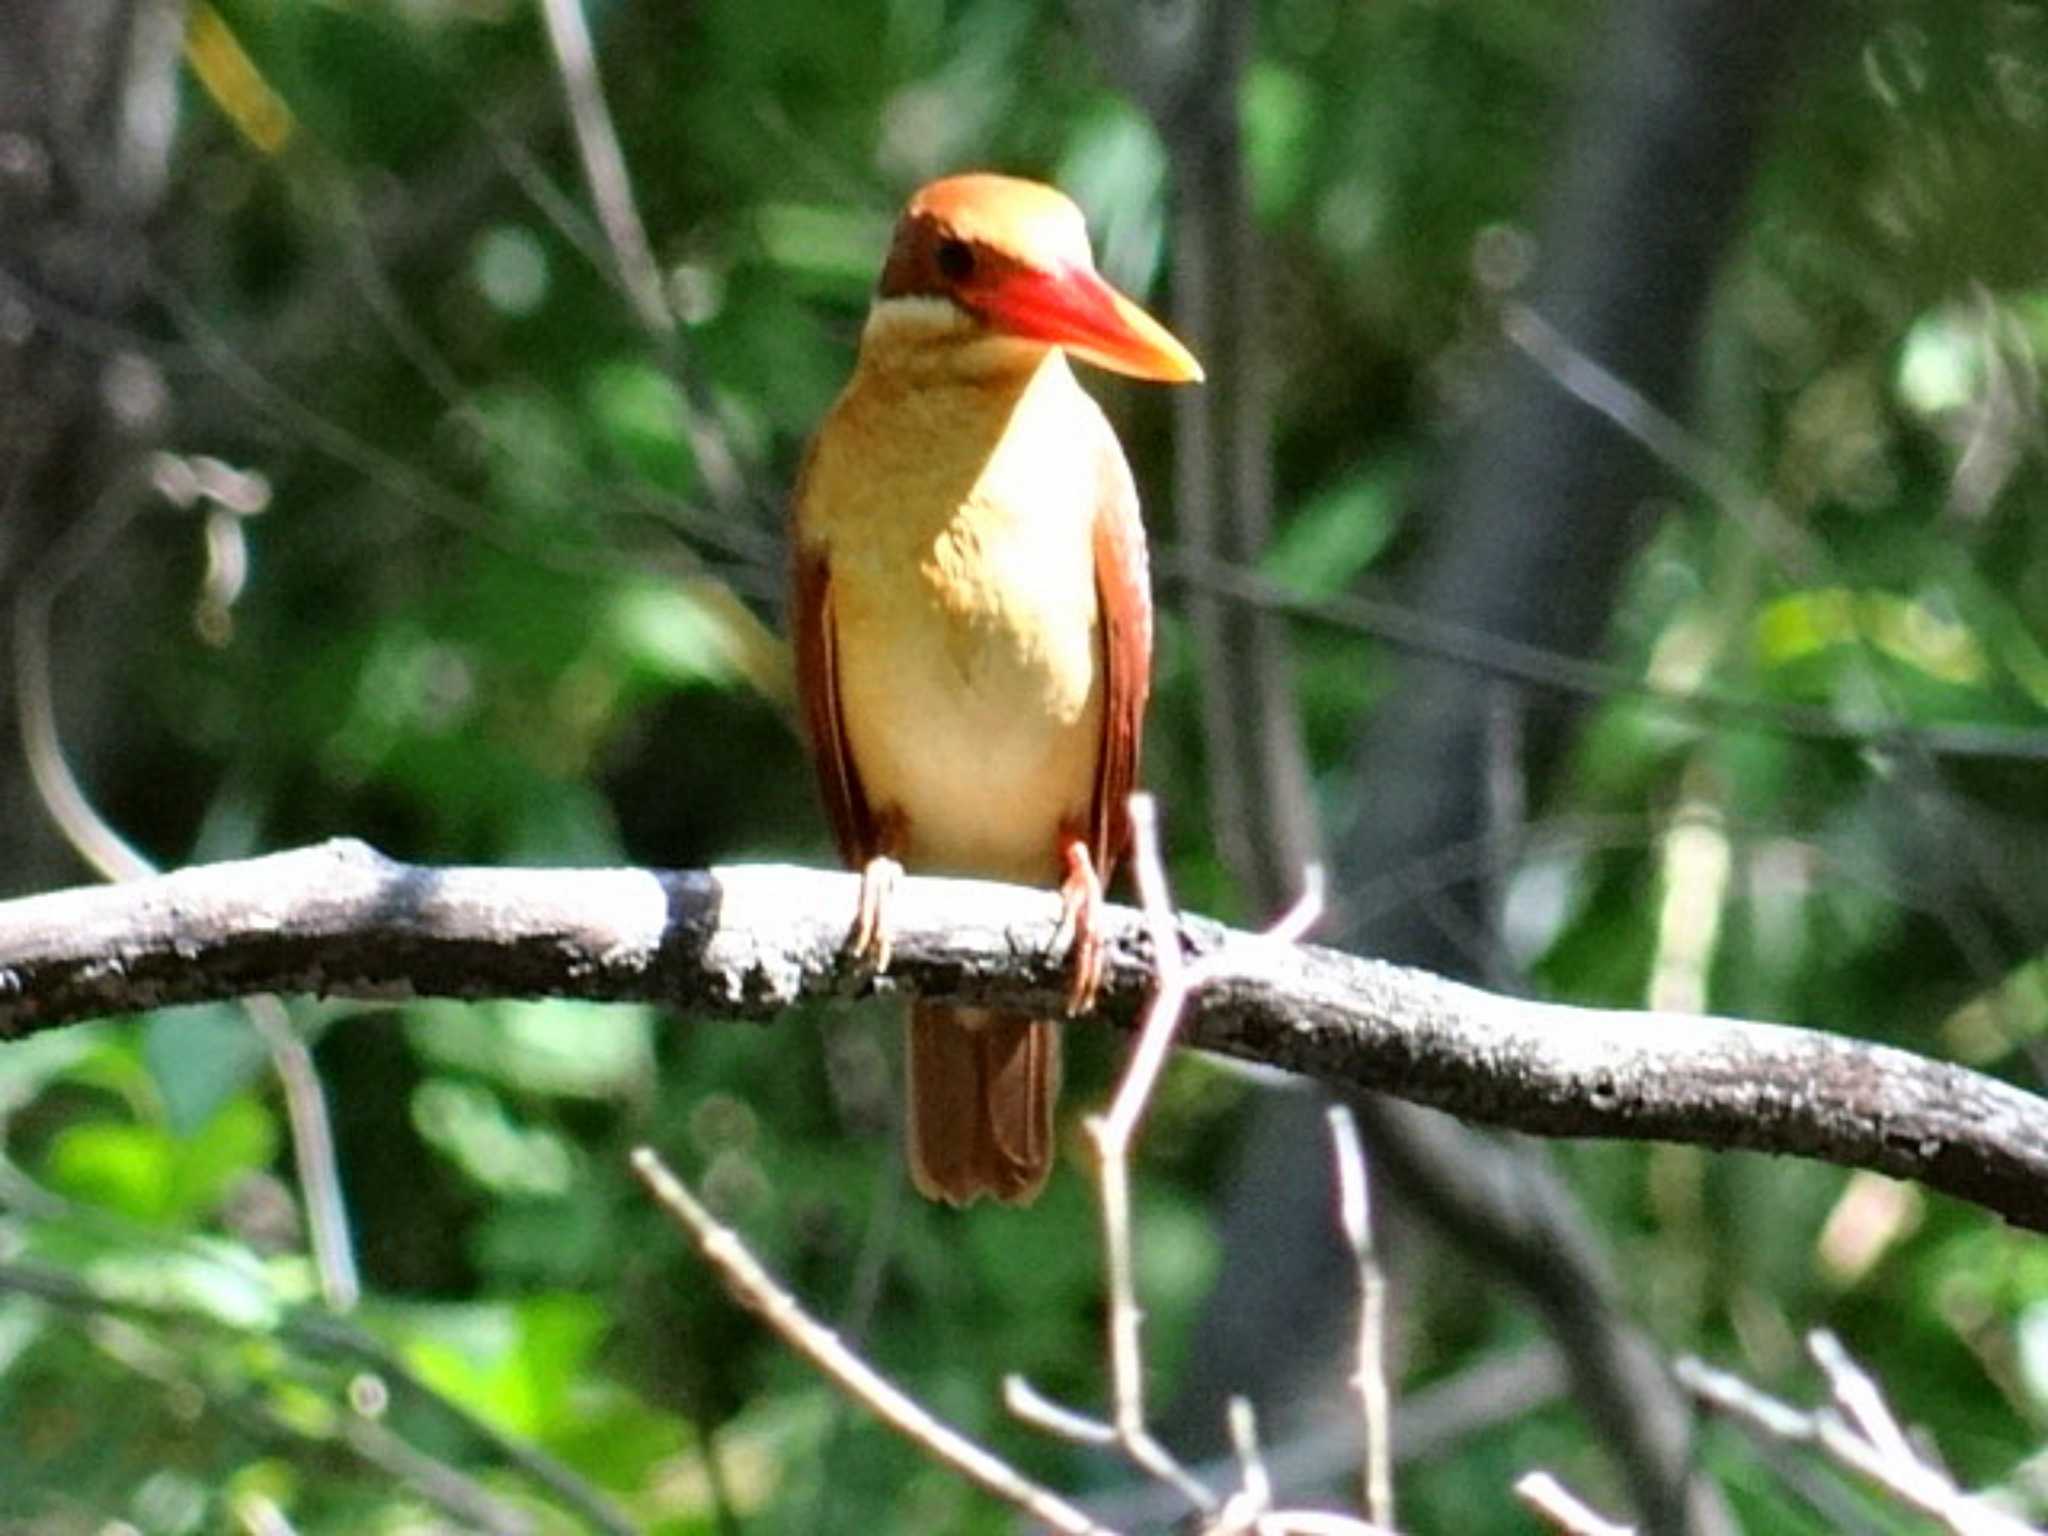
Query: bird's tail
{"points": [[981, 1091]]}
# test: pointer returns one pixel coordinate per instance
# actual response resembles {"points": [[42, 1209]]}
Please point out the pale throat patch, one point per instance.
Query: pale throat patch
{"points": [[924, 333]]}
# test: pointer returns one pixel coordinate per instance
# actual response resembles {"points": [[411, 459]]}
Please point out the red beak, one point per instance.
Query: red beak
{"points": [[1074, 308]]}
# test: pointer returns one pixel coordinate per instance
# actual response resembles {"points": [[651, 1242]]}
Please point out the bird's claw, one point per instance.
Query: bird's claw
{"points": [[1080, 929], [870, 941]]}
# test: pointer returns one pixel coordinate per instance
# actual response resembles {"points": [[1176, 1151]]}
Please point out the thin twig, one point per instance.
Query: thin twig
{"points": [[104, 850], [1856, 1394], [1486, 654], [611, 189], [1842, 1433], [1174, 983], [1114, 1133], [305, 1103], [1477, 1401], [1254, 1481], [1250, 1509], [1564, 1509], [113, 1327], [1370, 1380], [450, 1487], [604, 166], [1041, 1412], [754, 1288]]}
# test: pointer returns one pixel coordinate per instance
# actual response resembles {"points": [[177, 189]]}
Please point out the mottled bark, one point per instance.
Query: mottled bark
{"points": [[752, 941]]}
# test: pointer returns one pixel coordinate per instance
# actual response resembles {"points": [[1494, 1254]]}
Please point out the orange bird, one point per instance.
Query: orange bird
{"points": [[973, 625]]}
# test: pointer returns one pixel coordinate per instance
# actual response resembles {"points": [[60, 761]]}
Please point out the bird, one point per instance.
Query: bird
{"points": [[971, 617]]}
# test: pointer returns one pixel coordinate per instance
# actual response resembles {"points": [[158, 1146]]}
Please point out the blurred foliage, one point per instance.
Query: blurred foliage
{"points": [[495, 614]]}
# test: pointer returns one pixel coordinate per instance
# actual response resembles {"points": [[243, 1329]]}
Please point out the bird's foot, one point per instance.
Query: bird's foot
{"points": [[869, 940], [1080, 929]]}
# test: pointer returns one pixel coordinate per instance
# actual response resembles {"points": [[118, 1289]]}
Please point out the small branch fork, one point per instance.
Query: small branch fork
{"points": [[1563, 1509], [1250, 1507], [1370, 1380], [757, 1290], [1247, 1511], [1858, 1432]]}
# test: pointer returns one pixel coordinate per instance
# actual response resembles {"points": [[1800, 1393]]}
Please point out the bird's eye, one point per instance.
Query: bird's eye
{"points": [[956, 260]]}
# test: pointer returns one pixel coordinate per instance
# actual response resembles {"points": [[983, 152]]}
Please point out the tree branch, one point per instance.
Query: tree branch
{"points": [[750, 941]]}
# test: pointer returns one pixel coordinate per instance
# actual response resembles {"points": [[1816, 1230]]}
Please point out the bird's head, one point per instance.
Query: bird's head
{"points": [[995, 256]]}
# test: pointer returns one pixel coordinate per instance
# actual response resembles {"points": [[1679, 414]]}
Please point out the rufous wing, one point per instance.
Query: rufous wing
{"points": [[817, 686], [1123, 594]]}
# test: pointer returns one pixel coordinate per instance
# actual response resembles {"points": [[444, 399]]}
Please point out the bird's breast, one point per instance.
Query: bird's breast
{"points": [[967, 639]]}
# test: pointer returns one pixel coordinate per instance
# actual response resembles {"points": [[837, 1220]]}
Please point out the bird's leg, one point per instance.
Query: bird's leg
{"points": [[1080, 923], [869, 940]]}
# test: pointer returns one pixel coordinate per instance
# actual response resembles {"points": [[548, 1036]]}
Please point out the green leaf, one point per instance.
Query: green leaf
{"points": [[471, 1125], [153, 1174], [671, 634], [514, 1364], [638, 412], [1278, 110]]}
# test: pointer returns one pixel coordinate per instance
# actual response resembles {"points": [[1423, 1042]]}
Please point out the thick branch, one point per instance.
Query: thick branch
{"points": [[749, 941]]}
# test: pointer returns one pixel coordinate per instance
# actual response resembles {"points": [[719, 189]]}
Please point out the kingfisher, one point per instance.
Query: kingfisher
{"points": [[972, 623]]}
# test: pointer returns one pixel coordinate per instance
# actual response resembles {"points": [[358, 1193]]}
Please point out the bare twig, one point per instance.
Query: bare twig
{"points": [[611, 189], [1492, 1392], [1255, 1484], [754, 1288], [604, 166], [1485, 653], [1113, 1135], [1250, 1508], [102, 848], [751, 941], [1564, 1509], [1858, 1399], [1040, 1412], [115, 1329], [1370, 1379], [452, 1489], [305, 1102], [1856, 1431]]}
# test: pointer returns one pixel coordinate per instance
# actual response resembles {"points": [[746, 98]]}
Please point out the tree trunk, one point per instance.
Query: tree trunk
{"points": [[1538, 514], [87, 109]]}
